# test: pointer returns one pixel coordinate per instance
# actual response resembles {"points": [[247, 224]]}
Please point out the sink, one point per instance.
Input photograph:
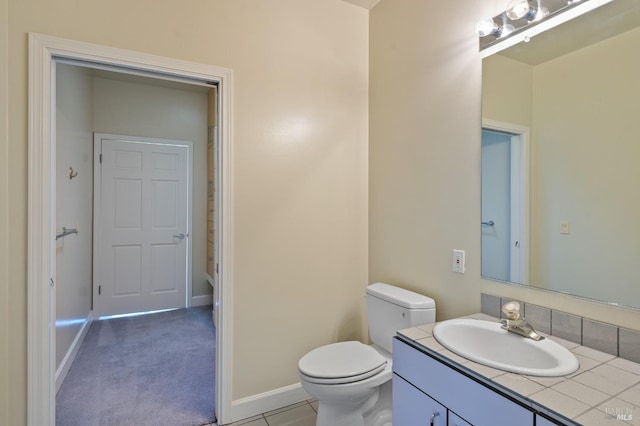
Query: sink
{"points": [[487, 343]]}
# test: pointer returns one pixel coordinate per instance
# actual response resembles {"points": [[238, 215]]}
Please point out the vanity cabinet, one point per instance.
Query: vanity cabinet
{"points": [[422, 384]]}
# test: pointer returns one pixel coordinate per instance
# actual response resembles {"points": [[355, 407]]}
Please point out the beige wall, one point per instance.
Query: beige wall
{"points": [[584, 171], [424, 153], [300, 163], [74, 203], [142, 108], [425, 149], [4, 190], [507, 88]]}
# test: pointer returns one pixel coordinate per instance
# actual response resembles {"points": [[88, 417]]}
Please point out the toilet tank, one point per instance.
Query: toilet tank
{"points": [[391, 308]]}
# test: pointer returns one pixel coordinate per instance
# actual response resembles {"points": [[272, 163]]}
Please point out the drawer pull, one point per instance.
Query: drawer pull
{"points": [[433, 418]]}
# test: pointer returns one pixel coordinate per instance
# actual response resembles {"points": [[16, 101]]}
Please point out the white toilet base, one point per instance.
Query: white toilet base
{"points": [[372, 408]]}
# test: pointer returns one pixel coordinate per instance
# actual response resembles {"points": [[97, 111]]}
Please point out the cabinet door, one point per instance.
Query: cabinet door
{"points": [[411, 407], [454, 420]]}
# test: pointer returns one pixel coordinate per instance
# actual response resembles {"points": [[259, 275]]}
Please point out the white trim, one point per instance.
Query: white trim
{"points": [[202, 300], [70, 356], [97, 207], [41, 197], [519, 265], [268, 401]]}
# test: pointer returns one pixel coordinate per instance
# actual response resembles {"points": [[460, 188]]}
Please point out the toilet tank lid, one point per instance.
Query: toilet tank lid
{"points": [[400, 296]]}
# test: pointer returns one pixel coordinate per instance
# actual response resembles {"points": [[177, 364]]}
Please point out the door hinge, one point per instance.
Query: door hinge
{"points": [[217, 268], [100, 159], [99, 290]]}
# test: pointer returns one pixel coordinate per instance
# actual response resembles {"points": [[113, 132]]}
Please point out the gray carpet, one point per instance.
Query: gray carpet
{"points": [[154, 369]]}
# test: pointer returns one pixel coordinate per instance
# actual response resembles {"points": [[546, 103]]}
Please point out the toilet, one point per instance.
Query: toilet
{"points": [[351, 380]]}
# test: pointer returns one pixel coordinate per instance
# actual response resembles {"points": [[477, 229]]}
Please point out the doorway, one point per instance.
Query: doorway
{"points": [[43, 174], [505, 189]]}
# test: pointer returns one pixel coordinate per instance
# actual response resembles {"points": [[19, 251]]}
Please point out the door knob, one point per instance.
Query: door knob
{"points": [[180, 236]]}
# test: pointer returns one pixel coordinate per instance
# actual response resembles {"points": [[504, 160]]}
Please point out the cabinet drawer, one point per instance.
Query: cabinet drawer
{"points": [[413, 408], [469, 399]]}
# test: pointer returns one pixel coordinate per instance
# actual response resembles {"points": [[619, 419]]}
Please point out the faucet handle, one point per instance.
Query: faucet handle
{"points": [[511, 310]]}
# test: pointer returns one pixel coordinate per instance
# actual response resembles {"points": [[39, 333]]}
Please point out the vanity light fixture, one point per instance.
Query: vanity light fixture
{"points": [[487, 26], [531, 10], [524, 19]]}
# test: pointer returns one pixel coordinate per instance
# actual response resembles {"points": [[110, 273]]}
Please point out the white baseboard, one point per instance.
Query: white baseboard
{"points": [[204, 300], [267, 401], [70, 356]]}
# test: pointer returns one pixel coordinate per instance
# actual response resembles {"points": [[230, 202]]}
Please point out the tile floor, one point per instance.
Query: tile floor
{"points": [[300, 414]]}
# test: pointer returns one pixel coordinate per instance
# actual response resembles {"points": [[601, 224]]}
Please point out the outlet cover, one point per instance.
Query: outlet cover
{"points": [[458, 261]]}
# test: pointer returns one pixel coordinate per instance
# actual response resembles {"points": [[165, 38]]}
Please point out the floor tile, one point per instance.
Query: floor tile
{"points": [[287, 408], [257, 422], [302, 415]]}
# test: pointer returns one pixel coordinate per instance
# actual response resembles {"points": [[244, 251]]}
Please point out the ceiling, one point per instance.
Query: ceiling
{"points": [[367, 4]]}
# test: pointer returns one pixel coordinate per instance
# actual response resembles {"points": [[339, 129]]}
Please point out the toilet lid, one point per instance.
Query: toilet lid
{"points": [[342, 361]]}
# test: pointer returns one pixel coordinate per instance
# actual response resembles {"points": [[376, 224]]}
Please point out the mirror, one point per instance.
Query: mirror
{"points": [[561, 158]]}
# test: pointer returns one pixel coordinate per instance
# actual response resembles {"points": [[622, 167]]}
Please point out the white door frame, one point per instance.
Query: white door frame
{"points": [[97, 207], [43, 50], [519, 244]]}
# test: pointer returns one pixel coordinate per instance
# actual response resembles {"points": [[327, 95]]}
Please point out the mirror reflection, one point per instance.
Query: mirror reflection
{"points": [[561, 158]]}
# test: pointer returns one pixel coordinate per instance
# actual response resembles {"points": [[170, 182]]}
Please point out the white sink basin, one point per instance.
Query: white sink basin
{"points": [[487, 343]]}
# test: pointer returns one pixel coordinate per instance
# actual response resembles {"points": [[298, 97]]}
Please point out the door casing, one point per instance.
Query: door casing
{"points": [[43, 52]]}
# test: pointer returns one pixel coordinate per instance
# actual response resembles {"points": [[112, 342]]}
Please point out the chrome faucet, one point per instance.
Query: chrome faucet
{"points": [[514, 323]]}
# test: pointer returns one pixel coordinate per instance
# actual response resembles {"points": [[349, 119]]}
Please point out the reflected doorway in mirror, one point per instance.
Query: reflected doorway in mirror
{"points": [[504, 223]]}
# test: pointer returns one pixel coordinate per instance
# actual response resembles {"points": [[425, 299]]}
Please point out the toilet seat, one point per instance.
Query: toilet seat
{"points": [[339, 363]]}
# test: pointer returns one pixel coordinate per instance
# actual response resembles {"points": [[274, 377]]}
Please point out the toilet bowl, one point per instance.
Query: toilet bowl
{"points": [[351, 380]]}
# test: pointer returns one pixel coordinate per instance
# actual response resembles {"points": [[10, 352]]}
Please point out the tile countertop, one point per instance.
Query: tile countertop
{"points": [[603, 388]]}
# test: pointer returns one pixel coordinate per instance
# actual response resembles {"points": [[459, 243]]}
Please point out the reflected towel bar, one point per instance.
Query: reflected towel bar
{"points": [[67, 231]]}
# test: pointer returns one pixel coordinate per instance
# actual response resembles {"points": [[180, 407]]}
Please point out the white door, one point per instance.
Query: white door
{"points": [[496, 205], [143, 225], [505, 202]]}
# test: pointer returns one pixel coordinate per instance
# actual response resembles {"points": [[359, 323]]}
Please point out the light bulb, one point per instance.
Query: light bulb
{"points": [[518, 9], [486, 26]]}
